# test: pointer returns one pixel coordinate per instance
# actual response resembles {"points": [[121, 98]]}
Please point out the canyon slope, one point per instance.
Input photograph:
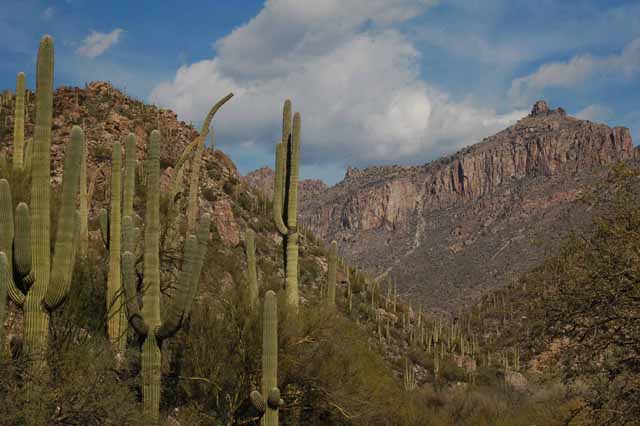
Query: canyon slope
{"points": [[450, 229]]}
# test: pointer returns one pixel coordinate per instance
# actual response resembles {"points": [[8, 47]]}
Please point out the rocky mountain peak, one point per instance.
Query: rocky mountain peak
{"points": [[541, 108]]}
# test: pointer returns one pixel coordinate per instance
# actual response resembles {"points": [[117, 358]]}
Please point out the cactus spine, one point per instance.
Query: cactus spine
{"points": [[285, 198], [146, 321], [192, 207], [18, 125], [331, 274], [251, 265]]}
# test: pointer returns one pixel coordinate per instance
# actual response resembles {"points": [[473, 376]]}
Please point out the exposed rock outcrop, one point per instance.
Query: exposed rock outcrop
{"points": [[469, 220]]}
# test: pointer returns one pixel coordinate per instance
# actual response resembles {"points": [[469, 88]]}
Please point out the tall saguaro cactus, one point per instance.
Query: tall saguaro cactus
{"points": [[112, 231], [331, 274], [285, 198], [252, 274], [146, 320], [18, 125], [28, 280], [37, 283], [268, 402], [192, 207]]}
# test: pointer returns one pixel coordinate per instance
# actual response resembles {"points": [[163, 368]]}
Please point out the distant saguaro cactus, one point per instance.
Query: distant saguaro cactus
{"points": [[331, 274], [146, 320], [285, 198], [252, 275]]}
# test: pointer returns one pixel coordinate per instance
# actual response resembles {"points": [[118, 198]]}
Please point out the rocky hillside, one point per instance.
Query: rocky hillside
{"points": [[473, 220]]}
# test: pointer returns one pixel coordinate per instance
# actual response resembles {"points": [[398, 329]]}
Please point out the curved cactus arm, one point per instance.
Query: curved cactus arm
{"points": [[64, 253], [207, 120], [104, 227], [18, 124], [7, 241], [129, 284], [7, 285], [175, 313], [278, 190], [22, 247], [182, 159], [293, 167]]}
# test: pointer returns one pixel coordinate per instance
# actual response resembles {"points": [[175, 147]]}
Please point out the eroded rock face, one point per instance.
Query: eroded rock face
{"points": [[468, 220]]}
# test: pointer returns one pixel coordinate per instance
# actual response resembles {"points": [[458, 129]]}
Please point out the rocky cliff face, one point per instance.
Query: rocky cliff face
{"points": [[473, 219]]}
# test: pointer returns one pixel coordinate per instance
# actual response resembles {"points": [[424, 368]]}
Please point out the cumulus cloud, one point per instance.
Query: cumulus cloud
{"points": [[348, 70], [96, 43], [577, 71]]}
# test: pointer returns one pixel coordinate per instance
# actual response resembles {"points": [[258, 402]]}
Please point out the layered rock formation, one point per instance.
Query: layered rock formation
{"points": [[476, 218]]}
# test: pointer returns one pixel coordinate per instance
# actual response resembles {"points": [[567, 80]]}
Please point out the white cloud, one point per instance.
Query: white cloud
{"points": [[349, 72], [577, 71], [595, 112], [96, 43], [48, 13]]}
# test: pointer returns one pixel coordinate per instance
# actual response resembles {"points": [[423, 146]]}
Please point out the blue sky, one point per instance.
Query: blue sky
{"points": [[376, 81]]}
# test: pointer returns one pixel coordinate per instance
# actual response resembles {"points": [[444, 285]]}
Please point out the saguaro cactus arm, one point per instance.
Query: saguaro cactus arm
{"points": [[18, 125], [129, 284], [175, 313], [279, 184], [68, 223]]}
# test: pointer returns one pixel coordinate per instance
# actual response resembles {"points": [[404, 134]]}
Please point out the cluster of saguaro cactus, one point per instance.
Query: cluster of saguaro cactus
{"points": [[268, 401], [252, 275], [285, 198], [409, 376], [33, 279], [112, 233], [146, 319]]}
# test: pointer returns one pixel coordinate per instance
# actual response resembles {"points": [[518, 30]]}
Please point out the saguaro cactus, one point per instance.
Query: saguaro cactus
{"points": [[18, 125], [28, 280], [331, 274], [192, 208], [269, 401], [252, 275], [112, 232], [146, 320], [35, 282], [285, 198]]}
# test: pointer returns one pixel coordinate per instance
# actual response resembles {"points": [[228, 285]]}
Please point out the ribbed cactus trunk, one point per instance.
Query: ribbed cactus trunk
{"points": [[285, 199], [331, 274], [18, 125], [36, 320], [84, 206], [270, 358], [115, 300], [147, 321], [252, 274]]}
